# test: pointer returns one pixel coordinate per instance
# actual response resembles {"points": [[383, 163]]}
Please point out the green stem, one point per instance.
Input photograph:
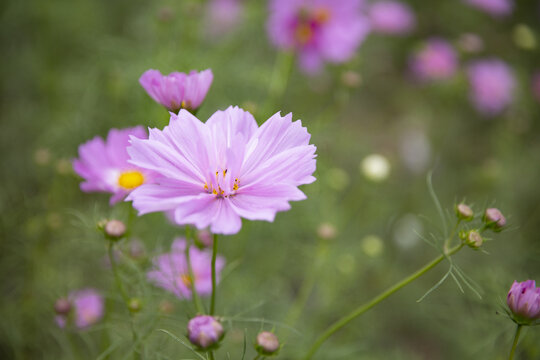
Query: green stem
{"points": [[211, 355], [123, 293], [119, 284], [516, 339], [214, 256], [196, 299], [365, 307], [449, 238]]}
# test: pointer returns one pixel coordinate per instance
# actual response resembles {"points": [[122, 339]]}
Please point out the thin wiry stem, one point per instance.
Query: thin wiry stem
{"points": [[516, 339], [377, 299], [214, 256]]}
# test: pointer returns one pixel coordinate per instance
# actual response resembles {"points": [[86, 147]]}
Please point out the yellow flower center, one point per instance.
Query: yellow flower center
{"points": [[130, 179], [321, 15], [303, 33], [186, 280]]}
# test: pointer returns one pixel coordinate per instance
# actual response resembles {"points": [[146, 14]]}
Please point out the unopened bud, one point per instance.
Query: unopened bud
{"points": [[62, 306], [494, 219], [326, 231], [464, 212], [205, 238], [136, 249], [473, 239], [205, 332], [115, 229], [267, 343], [166, 307], [134, 305], [351, 79]]}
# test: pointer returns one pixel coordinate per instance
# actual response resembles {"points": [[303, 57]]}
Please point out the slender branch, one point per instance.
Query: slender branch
{"points": [[214, 256], [516, 339], [365, 307]]}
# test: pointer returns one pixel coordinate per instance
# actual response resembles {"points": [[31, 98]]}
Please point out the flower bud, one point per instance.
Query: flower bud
{"points": [[464, 212], [204, 331], [134, 305], [166, 307], [494, 219], [473, 239], [524, 301], [114, 229], [62, 306], [205, 238], [267, 343], [326, 231]]}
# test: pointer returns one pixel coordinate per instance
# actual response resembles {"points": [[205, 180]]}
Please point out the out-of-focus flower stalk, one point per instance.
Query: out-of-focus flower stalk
{"points": [[214, 256], [195, 296], [516, 339], [365, 307]]}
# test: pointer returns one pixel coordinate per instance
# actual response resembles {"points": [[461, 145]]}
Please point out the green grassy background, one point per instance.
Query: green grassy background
{"points": [[70, 71]]}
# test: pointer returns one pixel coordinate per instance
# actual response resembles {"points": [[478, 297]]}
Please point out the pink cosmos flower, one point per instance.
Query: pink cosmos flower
{"points": [[215, 173], [171, 272], [104, 164], [497, 8], [536, 86], [319, 30], [223, 15], [177, 90], [436, 60], [524, 300], [492, 85], [391, 17], [88, 306]]}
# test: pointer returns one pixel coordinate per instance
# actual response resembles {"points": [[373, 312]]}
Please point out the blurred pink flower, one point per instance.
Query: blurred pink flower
{"points": [[536, 85], [391, 17], [492, 85], [215, 173], [435, 60], [497, 8], [318, 30], [524, 300], [170, 270], [104, 164], [223, 15], [177, 90], [88, 306]]}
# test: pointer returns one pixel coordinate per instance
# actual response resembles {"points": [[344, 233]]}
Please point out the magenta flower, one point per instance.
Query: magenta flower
{"points": [[170, 270], [88, 307], [492, 85], [204, 331], [524, 301], [497, 8], [319, 30], [104, 164], [215, 173], [436, 60], [536, 86], [391, 17], [177, 90]]}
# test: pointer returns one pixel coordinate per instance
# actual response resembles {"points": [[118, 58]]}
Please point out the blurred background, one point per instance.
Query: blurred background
{"points": [[380, 121]]}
